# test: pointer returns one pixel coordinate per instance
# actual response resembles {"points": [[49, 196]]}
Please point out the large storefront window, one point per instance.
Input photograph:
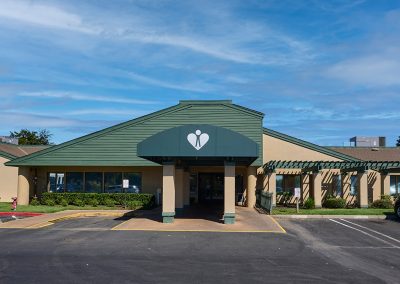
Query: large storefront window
{"points": [[74, 182], [394, 185], [353, 185], [93, 182], [135, 182], [287, 183], [113, 182], [56, 181]]}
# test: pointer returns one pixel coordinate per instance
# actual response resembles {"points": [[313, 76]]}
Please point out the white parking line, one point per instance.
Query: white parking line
{"points": [[376, 232], [365, 233]]}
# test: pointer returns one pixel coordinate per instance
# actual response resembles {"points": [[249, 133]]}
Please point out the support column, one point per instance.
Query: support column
{"points": [[346, 186], [179, 189], [251, 186], [186, 188], [305, 187], [23, 186], [362, 192], [271, 186], [168, 196], [385, 183], [229, 193], [317, 191]]}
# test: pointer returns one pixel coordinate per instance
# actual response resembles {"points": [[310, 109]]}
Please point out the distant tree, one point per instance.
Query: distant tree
{"points": [[398, 142], [28, 137]]}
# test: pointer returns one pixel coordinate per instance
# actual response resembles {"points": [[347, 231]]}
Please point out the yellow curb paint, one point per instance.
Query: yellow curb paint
{"points": [[115, 228], [279, 225]]}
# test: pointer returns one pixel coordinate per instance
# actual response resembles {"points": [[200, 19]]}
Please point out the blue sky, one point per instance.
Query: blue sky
{"points": [[322, 71]]}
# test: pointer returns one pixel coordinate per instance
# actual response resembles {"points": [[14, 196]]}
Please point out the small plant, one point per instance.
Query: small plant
{"points": [[385, 202], [35, 201], [134, 205], [93, 203], [333, 202], [309, 203], [64, 202], [109, 202]]}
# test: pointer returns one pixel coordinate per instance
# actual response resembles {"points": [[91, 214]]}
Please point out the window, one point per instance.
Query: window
{"points": [[56, 181], [74, 182], [113, 182], [135, 182], [93, 182], [287, 183], [394, 185], [337, 185], [353, 185]]}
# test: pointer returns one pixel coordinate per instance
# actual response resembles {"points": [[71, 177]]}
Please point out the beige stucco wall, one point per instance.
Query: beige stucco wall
{"points": [[276, 149], [8, 181]]}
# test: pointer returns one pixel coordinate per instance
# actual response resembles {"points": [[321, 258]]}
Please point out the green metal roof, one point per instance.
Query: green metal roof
{"points": [[117, 145], [308, 145], [7, 155]]}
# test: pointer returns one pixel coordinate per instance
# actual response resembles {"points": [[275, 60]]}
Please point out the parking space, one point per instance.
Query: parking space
{"points": [[89, 223]]}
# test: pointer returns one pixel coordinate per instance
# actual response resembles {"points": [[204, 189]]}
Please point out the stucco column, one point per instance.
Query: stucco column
{"points": [[23, 186], [179, 189], [271, 186], [305, 187], [229, 193], [385, 183], [346, 186], [317, 192], [186, 188], [168, 196], [251, 186], [362, 192]]}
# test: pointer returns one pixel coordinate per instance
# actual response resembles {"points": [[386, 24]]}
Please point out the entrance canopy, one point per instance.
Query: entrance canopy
{"points": [[199, 144]]}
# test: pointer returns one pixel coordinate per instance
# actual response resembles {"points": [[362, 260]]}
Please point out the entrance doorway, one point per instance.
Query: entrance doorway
{"points": [[211, 188]]}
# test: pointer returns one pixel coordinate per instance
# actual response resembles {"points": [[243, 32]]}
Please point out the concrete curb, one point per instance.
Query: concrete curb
{"points": [[369, 217]]}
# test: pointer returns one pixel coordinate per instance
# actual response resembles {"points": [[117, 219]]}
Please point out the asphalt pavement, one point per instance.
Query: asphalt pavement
{"points": [[85, 250]]}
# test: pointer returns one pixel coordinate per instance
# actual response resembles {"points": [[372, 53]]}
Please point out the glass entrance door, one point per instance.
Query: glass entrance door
{"points": [[211, 187]]}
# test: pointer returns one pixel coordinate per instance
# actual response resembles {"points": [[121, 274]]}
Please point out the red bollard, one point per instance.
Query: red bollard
{"points": [[14, 203]]}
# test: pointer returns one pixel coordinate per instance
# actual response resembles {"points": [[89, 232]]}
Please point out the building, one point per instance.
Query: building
{"points": [[202, 151], [9, 175], [362, 141]]}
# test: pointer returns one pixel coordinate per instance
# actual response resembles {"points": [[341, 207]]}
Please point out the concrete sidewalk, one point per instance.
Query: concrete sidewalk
{"points": [[247, 220], [49, 219]]}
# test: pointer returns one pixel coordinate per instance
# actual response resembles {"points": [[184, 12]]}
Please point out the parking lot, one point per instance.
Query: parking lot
{"points": [[312, 251]]}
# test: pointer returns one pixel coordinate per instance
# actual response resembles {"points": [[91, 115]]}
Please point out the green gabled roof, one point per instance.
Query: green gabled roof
{"points": [[308, 145], [116, 145], [7, 155]]}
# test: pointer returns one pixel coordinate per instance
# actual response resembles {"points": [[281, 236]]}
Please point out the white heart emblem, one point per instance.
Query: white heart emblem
{"points": [[198, 139]]}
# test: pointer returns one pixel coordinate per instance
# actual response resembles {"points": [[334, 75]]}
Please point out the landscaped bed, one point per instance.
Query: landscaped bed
{"points": [[336, 211], [6, 207]]}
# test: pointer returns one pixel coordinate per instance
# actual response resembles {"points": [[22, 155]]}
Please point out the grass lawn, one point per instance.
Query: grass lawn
{"points": [[325, 211], [6, 207]]}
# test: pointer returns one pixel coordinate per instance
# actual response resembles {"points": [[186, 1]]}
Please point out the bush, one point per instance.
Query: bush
{"points": [[385, 202], [109, 202], [333, 202], [63, 202], [309, 203], [50, 202], [35, 202], [134, 205], [79, 202], [93, 203], [147, 200]]}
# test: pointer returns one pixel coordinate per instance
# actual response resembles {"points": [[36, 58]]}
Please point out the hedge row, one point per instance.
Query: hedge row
{"points": [[147, 201]]}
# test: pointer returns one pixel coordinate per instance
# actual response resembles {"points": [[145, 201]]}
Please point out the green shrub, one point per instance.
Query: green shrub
{"points": [[147, 200], [50, 202], [385, 202], [333, 202], [63, 202], [79, 202], [309, 203], [134, 205], [94, 203], [109, 202], [35, 202]]}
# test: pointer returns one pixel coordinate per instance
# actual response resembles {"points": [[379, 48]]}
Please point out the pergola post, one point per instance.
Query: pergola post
{"points": [[317, 189], [23, 186], [229, 193], [168, 193], [362, 196]]}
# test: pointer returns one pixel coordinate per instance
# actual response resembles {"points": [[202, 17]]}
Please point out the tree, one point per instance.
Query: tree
{"points": [[398, 142], [28, 137]]}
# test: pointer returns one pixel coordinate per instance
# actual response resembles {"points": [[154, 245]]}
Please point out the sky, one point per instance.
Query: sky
{"points": [[322, 71]]}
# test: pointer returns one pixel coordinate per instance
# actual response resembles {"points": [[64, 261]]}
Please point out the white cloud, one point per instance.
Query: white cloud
{"points": [[84, 97]]}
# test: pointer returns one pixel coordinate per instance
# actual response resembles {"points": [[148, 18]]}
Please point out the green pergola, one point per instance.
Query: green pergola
{"points": [[384, 167]]}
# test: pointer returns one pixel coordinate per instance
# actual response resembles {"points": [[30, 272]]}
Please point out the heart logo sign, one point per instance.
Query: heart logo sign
{"points": [[198, 139]]}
